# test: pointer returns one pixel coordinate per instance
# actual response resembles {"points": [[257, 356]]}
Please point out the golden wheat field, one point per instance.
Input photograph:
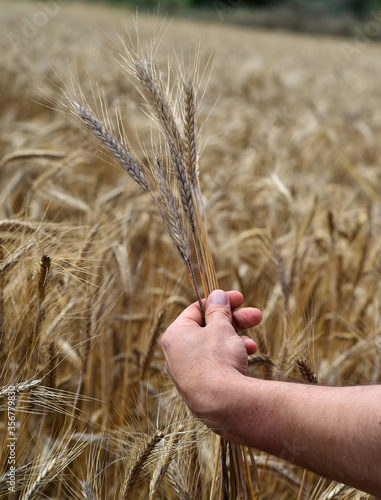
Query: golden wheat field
{"points": [[289, 168]]}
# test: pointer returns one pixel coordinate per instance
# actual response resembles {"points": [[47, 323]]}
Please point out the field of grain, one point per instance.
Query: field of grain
{"points": [[89, 279]]}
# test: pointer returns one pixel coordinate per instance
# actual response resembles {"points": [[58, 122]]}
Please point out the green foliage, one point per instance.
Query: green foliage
{"points": [[164, 5], [359, 8]]}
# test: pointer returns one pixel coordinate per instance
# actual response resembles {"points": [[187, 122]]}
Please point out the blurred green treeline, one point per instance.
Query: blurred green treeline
{"points": [[358, 8]]}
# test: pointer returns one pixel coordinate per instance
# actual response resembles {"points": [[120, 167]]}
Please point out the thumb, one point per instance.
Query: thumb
{"points": [[217, 308]]}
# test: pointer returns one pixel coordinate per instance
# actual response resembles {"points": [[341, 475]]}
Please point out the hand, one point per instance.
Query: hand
{"points": [[200, 359], [316, 427]]}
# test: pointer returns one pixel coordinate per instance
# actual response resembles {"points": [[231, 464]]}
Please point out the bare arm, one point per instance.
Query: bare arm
{"points": [[333, 431]]}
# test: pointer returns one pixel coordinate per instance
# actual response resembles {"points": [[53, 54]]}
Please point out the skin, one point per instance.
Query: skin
{"points": [[333, 431]]}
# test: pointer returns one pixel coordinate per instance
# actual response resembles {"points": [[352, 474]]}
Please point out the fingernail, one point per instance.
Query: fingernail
{"points": [[218, 297]]}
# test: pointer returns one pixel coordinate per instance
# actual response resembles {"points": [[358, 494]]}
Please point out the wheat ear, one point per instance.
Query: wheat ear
{"points": [[307, 373], [173, 222], [151, 89], [190, 133], [166, 456], [34, 340], [139, 462], [166, 204], [117, 150], [15, 258], [27, 386]]}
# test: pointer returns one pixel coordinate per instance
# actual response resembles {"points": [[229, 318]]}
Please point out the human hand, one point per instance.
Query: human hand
{"points": [[201, 359]]}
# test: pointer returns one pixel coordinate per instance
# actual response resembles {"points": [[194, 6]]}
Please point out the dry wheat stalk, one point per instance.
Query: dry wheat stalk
{"points": [[264, 350], [31, 153], [89, 240], [170, 213], [41, 480], [167, 450], [87, 491], [140, 461], [155, 331], [42, 399], [50, 463], [52, 365], [282, 274], [171, 217], [166, 203], [183, 184], [15, 258], [34, 340], [194, 476], [339, 491], [8, 225], [182, 155], [20, 472], [2, 319]]}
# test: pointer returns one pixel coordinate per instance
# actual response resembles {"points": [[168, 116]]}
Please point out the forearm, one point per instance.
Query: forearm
{"points": [[335, 432]]}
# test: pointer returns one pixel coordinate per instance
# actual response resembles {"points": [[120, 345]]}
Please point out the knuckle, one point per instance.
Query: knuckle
{"points": [[165, 340], [220, 317], [220, 314]]}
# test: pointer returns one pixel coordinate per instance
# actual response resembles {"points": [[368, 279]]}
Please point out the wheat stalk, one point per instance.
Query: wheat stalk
{"points": [[14, 259], [140, 461], [166, 455], [50, 463], [155, 330], [2, 319], [182, 155], [87, 491]]}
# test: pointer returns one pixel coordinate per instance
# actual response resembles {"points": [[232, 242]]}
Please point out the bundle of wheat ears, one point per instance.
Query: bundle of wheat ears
{"points": [[171, 179]]}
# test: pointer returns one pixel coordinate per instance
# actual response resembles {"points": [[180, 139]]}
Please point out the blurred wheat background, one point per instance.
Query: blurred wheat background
{"points": [[89, 280]]}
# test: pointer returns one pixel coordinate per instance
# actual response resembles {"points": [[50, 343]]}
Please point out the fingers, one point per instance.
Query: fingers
{"points": [[235, 298], [246, 317], [251, 346], [241, 319], [192, 313]]}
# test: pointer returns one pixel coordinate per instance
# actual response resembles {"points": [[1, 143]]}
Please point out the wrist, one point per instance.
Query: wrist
{"points": [[238, 406], [217, 402], [245, 410]]}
